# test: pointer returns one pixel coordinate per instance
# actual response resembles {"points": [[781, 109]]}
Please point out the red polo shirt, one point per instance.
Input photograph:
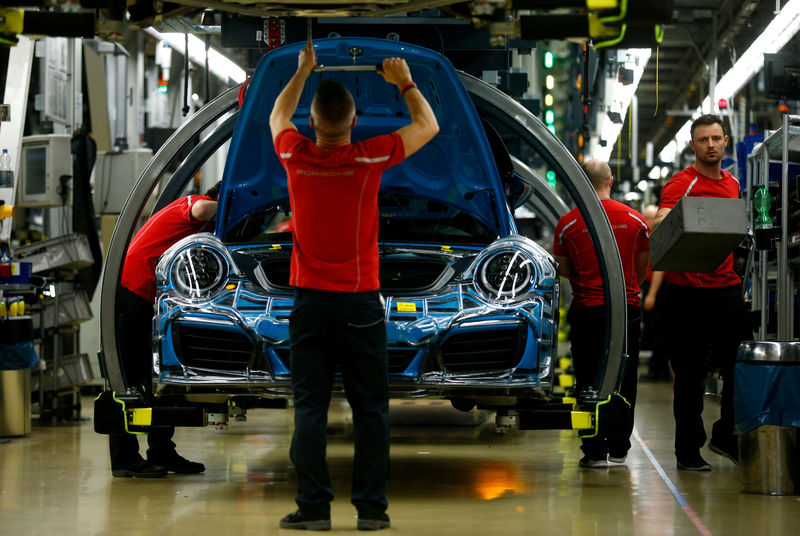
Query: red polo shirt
{"points": [[334, 199], [572, 240], [163, 229], [690, 182]]}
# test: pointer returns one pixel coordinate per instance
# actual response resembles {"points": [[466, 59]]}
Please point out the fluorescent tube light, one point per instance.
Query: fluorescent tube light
{"points": [[219, 65]]}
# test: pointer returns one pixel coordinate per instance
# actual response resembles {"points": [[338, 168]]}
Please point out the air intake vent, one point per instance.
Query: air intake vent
{"points": [[484, 350], [204, 346], [409, 274], [399, 358]]}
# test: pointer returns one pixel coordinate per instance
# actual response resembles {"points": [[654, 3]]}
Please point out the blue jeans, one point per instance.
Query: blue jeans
{"points": [[346, 330]]}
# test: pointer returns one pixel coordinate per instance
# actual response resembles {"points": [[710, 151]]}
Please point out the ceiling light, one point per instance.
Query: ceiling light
{"points": [[219, 65], [655, 173], [642, 185]]}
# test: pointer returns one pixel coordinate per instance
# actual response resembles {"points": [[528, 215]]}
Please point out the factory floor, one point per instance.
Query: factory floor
{"points": [[450, 474]]}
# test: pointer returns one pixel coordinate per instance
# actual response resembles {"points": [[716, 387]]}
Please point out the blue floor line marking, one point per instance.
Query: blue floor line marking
{"points": [[672, 487]]}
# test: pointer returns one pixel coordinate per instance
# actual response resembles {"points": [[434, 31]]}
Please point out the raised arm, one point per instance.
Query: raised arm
{"points": [[285, 105], [423, 125]]}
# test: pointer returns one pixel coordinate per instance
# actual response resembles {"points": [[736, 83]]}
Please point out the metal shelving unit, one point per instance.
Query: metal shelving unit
{"points": [[781, 145]]}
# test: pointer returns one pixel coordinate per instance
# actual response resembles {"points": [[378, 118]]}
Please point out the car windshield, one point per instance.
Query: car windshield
{"points": [[403, 218]]}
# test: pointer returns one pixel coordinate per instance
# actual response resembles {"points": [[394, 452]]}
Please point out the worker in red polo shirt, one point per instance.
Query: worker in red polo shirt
{"points": [[338, 316], [577, 261], [135, 298], [703, 309]]}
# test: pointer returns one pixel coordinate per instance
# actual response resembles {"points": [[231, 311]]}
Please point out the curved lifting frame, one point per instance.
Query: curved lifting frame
{"points": [[123, 232], [525, 125], [558, 158], [544, 201]]}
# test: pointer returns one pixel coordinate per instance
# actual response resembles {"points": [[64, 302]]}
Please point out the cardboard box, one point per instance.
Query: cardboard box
{"points": [[698, 234]]}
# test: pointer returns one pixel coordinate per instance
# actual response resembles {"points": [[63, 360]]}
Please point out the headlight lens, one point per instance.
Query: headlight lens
{"points": [[506, 275], [198, 271]]}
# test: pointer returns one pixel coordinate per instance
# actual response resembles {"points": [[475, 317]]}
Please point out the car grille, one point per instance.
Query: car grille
{"points": [[203, 346], [484, 350], [395, 274], [399, 358], [409, 274]]}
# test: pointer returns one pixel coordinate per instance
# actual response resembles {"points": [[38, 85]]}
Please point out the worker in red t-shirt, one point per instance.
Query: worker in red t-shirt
{"points": [[577, 261], [135, 298], [338, 316], [703, 309]]}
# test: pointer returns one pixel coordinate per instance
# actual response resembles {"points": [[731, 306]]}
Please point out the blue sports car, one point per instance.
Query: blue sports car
{"points": [[471, 305]]}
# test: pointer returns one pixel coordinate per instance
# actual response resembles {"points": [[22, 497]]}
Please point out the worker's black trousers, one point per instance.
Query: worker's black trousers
{"points": [[134, 333], [587, 328], [705, 328], [330, 332]]}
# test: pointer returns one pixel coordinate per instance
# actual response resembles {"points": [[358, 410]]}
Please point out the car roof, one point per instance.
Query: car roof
{"points": [[456, 167]]}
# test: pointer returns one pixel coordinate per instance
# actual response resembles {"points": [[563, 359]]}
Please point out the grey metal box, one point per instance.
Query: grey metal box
{"points": [[698, 234]]}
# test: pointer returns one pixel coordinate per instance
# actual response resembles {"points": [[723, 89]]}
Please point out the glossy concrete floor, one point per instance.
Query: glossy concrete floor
{"points": [[450, 474]]}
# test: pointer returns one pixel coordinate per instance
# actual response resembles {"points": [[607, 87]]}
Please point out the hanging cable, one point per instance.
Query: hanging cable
{"points": [[185, 108], [656, 110]]}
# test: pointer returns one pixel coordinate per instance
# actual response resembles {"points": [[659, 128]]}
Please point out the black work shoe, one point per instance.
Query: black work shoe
{"points": [[593, 463], [175, 463], [380, 522], [297, 520], [731, 454], [140, 469], [694, 464]]}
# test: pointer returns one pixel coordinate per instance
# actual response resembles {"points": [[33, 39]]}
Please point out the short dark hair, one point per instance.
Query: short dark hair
{"points": [[707, 119], [213, 192], [334, 106]]}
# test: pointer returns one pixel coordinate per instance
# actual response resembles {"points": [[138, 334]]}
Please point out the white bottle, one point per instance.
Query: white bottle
{"points": [[6, 173]]}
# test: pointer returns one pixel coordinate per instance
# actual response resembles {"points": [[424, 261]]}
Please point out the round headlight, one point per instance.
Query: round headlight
{"points": [[198, 271], [505, 275]]}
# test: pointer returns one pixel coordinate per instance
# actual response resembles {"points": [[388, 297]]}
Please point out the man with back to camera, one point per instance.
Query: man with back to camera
{"points": [[137, 293], [338, 315], [703, 308], [574, 251]]}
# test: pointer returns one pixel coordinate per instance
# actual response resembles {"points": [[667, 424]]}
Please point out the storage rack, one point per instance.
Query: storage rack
{"points": [[783, 144]]}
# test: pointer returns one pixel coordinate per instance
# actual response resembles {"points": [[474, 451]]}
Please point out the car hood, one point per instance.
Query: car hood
{"points": [[456, 167]]}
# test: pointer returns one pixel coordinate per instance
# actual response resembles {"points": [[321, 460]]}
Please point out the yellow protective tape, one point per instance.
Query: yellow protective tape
{"points": [[566, 380], [564, 362]]}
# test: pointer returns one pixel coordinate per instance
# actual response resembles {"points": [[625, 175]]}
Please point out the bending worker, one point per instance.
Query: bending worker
{"points": [[338, 315], [577, 261], [705, 308], [136, 295]]}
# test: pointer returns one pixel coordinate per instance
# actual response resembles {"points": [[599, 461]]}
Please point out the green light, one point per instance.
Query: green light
{"points": [[548, 59], [549, 117], [552, 128], [551, 178], [162, 89]]}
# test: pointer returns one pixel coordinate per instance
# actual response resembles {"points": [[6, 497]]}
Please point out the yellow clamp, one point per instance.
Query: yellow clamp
{"points": [[141, 416], [6, 211], [11, 21], [581, 420], [566, 380]]}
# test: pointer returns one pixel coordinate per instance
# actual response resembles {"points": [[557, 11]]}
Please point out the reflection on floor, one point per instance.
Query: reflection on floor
{"points": [[450, 474]]}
